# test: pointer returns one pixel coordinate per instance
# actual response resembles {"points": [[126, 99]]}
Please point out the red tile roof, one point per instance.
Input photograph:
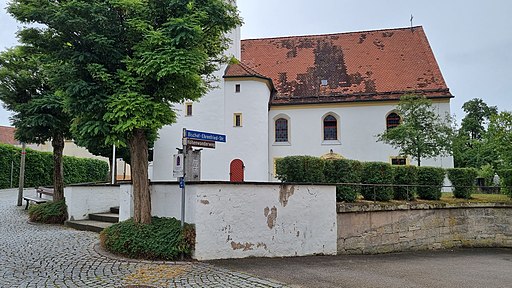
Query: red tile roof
{"points": [[356, 66], [7, 135]]}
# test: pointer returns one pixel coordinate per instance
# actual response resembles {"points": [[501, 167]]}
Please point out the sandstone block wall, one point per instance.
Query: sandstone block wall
{"points": [[381, 228]]}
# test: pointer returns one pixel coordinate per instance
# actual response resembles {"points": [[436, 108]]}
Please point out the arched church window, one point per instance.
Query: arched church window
{"points": [[281, 130], [330, 128], [392, 121]]}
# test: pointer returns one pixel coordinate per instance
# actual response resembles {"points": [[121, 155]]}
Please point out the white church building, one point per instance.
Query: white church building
{"points": [[307, 95]]}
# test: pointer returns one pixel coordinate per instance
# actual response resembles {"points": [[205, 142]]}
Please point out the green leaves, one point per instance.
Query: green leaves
{"points": [[422, 132]]}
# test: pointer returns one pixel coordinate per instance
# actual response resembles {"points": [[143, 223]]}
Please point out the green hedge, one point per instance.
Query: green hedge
{"points": [[344, 171], [300, 169], [377, 173], [506, 179], [163, 239], [431, 181], [463, 181], [49, 213], [39, 168], [405, 175]]}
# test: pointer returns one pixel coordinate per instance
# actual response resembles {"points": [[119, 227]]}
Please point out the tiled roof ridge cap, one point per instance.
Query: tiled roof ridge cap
{"points": [[334, 34]]}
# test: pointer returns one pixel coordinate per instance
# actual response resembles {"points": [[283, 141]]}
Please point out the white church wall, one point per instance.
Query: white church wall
{"points": [[214, 113], [358, 124], [248, 142]]}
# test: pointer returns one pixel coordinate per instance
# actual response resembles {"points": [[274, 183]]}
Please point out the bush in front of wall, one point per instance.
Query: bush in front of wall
{"points": [[49, 213], [377, 173], [506, 180], [463, 181], [300, 169], [163, 239], [430, 182], [344, 171], [405, 179]]}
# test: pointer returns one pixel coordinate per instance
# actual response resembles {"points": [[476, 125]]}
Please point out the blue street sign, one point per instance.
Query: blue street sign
{"points": [[182, 182], [205, 136]]}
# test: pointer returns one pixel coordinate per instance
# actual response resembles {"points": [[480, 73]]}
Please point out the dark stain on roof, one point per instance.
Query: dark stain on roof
{"points": [[345, 67]]}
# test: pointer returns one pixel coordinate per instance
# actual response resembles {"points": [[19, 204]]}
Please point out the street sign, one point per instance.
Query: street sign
{"points": [[177, 165], [199, 143], [190, 134]]}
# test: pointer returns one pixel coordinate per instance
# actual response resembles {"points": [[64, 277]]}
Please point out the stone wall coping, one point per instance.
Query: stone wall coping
{"points": [[376, 207]]}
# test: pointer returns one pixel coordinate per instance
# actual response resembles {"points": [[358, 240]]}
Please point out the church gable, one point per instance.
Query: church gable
{"points": [[347, 67]]}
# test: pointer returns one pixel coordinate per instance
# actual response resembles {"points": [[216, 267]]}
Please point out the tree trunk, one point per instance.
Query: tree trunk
{"points": [[419, 160], [139, 164], [58, 167]]}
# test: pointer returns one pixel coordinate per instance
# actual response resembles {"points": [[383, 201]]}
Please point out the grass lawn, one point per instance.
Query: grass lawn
{"points": [[477, 198], [447, 197]]}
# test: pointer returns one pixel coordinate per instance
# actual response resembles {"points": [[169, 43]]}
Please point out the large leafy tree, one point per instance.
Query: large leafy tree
{"points": [[500, 135], [478, 114], [38, 108], [422, 133], [124, 62], [471, 146]]}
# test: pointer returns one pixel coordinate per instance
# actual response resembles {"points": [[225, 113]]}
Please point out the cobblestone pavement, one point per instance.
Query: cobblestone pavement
{"points": [[55, 256]]}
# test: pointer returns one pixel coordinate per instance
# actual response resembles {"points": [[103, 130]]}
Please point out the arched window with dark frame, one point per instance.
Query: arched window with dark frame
{"points": [[330, 128], [281, 130], [392, 120]]}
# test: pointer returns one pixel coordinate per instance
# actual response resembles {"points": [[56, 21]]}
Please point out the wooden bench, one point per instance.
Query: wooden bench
{"points": [[38, 198]]}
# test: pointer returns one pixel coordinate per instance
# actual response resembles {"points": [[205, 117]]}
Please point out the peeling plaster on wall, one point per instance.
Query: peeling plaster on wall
{"points": [[285, 193], [239, 246], [272, 217], [234, 215]]}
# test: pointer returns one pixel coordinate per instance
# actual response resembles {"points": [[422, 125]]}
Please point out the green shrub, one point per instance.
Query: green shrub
{"points": [[163, 239], [49, 213], [300, 169], [344, 171], [39, 168], [487, 172], [377, 173], [506, 180], [430, 181], [463, 181], [405, 175]]}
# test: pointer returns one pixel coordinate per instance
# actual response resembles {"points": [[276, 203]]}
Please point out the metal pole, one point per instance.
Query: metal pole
{"points": [[22, 174], [113, 164], [12, 171], [184, 175]]}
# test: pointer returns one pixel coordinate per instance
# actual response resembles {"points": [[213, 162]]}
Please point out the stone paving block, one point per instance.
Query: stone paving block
{"points": [[55, 256]]}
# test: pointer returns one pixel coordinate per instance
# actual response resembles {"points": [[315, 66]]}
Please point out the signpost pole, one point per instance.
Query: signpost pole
{"points": [[184, 175], [22, 174]]}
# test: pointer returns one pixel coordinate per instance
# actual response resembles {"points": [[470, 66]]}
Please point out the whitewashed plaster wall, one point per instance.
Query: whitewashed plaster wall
{"points": [[214, 113], [358, 123], [237, 221], [83, 200], [249, 142], [252, 220]]}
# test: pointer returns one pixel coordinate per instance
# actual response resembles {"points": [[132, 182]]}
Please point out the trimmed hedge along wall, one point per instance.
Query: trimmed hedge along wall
{"points": [[394, 182], [39, 168]]}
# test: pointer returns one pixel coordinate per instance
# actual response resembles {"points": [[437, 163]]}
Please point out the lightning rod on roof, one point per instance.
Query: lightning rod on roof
{"points": [[412, 17]]}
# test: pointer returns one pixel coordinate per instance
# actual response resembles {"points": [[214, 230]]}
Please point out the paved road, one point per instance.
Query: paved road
{"points": [[458, 268], [55, 256]]}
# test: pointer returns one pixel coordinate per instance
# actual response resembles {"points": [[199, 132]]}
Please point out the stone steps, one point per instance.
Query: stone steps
{"points": [[96, 222]]}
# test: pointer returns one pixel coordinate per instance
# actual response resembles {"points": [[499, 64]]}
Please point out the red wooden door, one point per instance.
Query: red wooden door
{"points": [[236, 171]]}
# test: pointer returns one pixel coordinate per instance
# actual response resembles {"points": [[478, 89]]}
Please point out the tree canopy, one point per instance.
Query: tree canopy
{"points": [[422, 132], [122, 63], [472, 147], [38, 108]]}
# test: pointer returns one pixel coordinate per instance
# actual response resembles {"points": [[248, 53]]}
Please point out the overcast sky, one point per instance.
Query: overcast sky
{"points": [[472, 40]]}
